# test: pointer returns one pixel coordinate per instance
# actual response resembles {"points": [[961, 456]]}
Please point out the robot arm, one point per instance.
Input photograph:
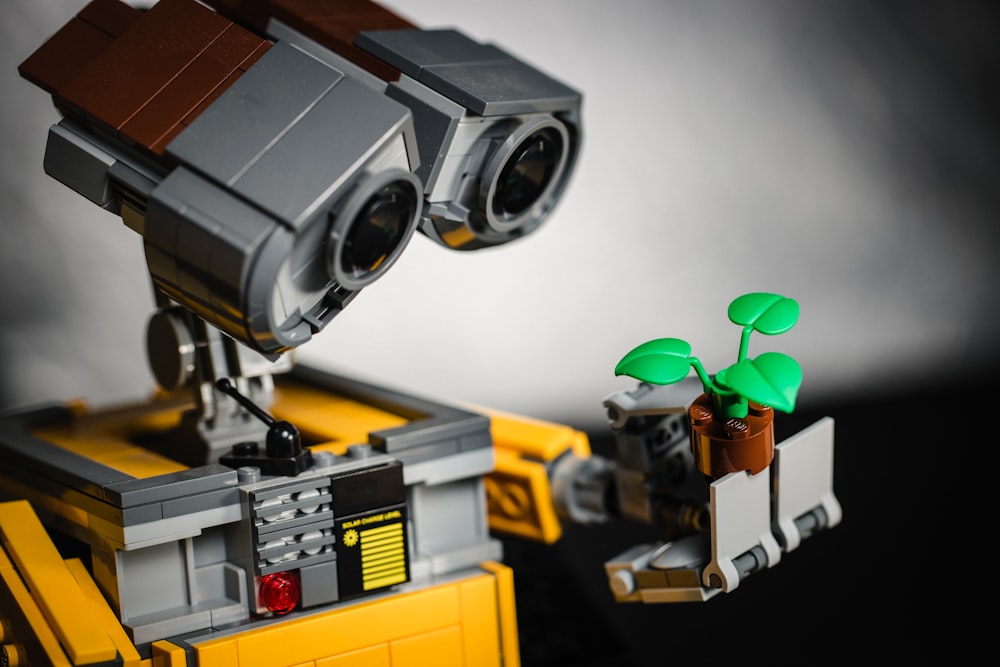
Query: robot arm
{"points": [[546, 473], [715, 534], [729, 502]]}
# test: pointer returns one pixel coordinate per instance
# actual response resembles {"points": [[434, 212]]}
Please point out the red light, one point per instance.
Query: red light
{"points": [[279, 592]]}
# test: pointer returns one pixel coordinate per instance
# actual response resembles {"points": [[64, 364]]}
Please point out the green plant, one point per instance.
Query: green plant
{"points": [[772, 379]]}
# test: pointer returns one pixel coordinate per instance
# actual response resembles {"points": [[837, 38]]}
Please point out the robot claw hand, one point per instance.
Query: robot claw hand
{"points": [[752, 521]]}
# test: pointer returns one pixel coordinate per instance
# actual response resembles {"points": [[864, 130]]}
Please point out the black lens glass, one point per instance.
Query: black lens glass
{"points": [[378, 229], [528, 172]]}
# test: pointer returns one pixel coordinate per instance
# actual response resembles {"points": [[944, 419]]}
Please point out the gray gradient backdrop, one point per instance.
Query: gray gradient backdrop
{"points": [[841, 153]]}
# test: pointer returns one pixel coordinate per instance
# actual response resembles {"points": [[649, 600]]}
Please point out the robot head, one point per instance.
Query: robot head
{"points": [[273, 180]]}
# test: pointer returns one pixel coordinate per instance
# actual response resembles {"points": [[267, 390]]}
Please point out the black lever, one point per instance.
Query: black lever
{"points": [[285, 454]]}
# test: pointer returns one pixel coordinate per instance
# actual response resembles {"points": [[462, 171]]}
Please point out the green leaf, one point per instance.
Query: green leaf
{"points": [[659, 361], [771, 379], [769, 314]]}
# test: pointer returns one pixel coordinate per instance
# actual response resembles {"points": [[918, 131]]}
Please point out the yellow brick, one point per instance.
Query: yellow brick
{"points": [[218, 653], [14, 587], [535, 438], [440, 648], [507, 611], [110, 449], [343, 630], [333, 422], [373, 656], [165, 654], [520, 499], [51, 584], [103, 613], [480, 626]]}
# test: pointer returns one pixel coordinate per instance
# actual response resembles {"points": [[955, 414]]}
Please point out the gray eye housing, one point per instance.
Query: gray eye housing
{"points": [[477, 111], [276, 182]]}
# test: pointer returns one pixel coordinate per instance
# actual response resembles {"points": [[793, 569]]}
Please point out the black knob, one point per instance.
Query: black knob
{"points": [[283, 440]]}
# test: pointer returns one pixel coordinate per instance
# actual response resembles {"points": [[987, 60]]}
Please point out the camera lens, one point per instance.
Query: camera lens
{"points": [[527, 173], [371, 227], [383, 222]]}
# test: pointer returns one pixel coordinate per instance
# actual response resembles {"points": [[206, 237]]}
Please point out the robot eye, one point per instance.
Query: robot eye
{"points": [[370, 232], [521, 179], [527, 173], [378, 229]]}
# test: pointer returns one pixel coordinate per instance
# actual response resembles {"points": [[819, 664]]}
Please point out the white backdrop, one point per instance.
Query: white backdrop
{"points": [[807, 148]]}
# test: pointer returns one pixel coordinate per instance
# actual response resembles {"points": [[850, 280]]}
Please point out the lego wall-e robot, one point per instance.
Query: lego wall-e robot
{"points": [[276, 156]]}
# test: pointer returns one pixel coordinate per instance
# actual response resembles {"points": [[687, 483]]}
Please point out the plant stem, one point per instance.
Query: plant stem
{"points": [[706, 381], [727, 402], [744, 343]]}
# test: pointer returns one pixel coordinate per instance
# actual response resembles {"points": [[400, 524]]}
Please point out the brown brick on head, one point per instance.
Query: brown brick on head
{"points": [[142, 76]]}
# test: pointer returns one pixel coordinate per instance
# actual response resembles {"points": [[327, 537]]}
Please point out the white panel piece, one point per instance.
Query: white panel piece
{"points": [[803, 466], [741, 520]]}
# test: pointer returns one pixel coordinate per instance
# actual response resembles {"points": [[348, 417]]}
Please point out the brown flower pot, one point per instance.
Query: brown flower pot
{"points": [[724, 445]]}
